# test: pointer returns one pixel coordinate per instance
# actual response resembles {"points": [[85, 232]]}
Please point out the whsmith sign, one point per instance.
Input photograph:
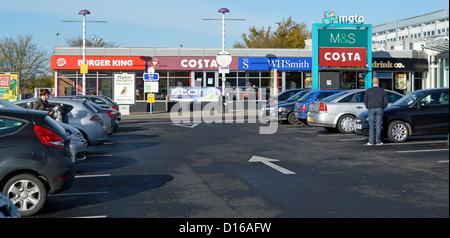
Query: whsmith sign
{"points": [[346, 43]]}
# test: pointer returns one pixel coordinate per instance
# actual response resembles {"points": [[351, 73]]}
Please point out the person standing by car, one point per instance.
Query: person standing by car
{"points": [[375, 101], [42, 102]]}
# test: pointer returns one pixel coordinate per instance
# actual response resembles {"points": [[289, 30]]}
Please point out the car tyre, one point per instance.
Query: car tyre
{"points": [[346, 124], [397, 132], [27, 193], [292, 119]]}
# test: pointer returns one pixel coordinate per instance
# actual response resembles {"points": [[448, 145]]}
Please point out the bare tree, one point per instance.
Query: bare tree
{"points": [[22, 56], [77, 41]]}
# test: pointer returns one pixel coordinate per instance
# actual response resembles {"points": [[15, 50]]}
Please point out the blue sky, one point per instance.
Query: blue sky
{"points": [[170, 23]]}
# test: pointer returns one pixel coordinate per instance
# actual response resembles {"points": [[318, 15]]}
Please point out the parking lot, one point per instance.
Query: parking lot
{"points": [[153, 168]]}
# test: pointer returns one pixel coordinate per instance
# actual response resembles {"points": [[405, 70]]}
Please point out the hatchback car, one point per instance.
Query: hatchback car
{"points": [[422, 112], [35, 158], [283, 111], [339, 111], [283, 96], [109, 117], [78, 145], [102, 100], [302, 105], [79, 114]]}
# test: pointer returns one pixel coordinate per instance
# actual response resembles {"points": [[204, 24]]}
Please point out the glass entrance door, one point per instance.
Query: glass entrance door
{"points": [[206, 79]]}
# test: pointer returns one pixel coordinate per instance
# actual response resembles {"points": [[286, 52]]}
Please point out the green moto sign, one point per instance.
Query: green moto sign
{"points": [[337, 38]]}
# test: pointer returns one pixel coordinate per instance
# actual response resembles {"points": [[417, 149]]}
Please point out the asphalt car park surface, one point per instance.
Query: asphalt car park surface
{"points": [[154, 168]]}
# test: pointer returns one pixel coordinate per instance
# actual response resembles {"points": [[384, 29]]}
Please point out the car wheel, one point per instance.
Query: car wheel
{"points": [[292, 119], [346, 124], [397, 132], [27, 192]]}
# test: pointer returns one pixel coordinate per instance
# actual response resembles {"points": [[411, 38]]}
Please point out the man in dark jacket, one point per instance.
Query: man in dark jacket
{"points": [[375, 100]]}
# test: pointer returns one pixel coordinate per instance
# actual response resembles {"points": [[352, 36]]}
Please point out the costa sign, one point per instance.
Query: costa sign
{"points": [[193, 63], [99, 62], [342, 57]]}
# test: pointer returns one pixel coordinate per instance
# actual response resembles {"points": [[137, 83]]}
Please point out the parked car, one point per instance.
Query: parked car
{"points": [[283, 96], [109, 117], [338, 111], [102, 100], [35, 158], [79, 114], [78, 145], [302, 105], [283, 111], [422, 112]]}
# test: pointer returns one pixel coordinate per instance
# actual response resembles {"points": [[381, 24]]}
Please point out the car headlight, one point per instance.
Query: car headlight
{"points": [[280, 109]]}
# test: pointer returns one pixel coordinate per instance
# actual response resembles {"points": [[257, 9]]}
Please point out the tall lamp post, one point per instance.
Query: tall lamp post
{"points": [[84, 68], [84, 12], [224, 58]]}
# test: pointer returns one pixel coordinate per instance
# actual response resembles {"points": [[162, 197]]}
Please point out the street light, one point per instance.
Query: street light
{"points": [[223, 58], [84, 12]]}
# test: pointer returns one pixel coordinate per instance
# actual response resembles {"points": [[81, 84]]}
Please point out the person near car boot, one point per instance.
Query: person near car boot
{"points": [[42, 102], [375, 101]]}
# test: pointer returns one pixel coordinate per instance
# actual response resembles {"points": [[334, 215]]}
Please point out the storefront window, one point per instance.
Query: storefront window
{"points": [[401, 83], [293, 80], [361, 80], [307, 83], [348, 80]]}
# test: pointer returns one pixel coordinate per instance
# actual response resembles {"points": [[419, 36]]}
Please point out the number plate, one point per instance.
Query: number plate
{"points": [[310, 119], [358, 126]]}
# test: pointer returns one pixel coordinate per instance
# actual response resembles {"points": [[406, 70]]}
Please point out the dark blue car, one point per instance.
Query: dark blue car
{"points": [[302, 105]]}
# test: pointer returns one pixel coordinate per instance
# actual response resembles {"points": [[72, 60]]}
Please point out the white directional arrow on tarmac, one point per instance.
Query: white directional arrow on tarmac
{"points": [[268, 162], [186, 125]]}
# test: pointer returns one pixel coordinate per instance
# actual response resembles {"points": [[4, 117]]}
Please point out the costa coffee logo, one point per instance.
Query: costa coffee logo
{"points": [[199, 63]]}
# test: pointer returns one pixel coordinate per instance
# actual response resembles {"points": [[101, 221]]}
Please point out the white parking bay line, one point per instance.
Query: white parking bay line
{"points": [[417, 151], [73, 194], [92, 175], [100, 216]]}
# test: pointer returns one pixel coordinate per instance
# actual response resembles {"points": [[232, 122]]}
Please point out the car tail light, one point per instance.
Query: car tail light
{"points": [[303, 108], [95, 118], [323, 107], [48, 137], [112, 114], [115, 107]]}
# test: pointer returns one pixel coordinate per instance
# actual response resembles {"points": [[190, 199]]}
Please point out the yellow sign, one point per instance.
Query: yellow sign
{"points": [[9, 87], [151, 98], [84, 68]]}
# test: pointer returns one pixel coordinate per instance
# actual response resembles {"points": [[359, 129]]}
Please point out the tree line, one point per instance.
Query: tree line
{"points": [[21, 55]]}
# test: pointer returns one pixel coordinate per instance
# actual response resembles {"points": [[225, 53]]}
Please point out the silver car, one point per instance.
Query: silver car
{"points": [[339, 111], [78, 145], [109, 117], [79, 114]]}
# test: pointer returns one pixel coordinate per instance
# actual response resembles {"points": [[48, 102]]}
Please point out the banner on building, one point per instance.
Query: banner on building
{"points": [[197, 94]]}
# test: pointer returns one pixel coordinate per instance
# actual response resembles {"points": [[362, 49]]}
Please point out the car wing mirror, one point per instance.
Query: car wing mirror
{"points": [[422, 104]]}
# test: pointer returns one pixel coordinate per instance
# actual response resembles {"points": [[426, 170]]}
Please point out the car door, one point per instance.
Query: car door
{"points": [[14, 140], [355, 103], [430, 114]]}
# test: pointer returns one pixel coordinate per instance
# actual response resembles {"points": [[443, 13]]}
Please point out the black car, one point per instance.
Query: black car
{"points": [[284, 111], [422, 112], [283, 96], [35, 158]]}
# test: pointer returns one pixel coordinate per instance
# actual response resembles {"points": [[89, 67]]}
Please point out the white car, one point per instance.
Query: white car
{"points": [[339, 111]]}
